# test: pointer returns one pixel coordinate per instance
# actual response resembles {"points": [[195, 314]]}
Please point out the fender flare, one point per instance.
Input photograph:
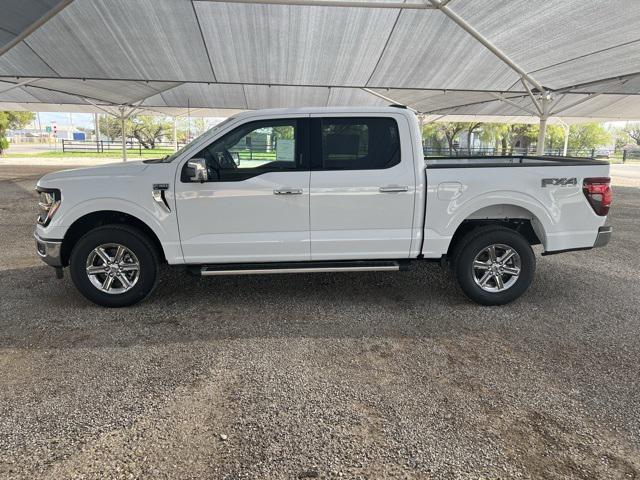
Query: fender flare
{"points": [[540, 215]]}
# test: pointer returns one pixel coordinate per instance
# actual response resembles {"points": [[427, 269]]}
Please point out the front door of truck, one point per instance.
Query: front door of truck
{"points": [[254, 206], [362, 188]]}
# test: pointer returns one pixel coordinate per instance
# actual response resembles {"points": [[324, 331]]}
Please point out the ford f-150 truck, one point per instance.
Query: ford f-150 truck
{"points": [[318, 190]]}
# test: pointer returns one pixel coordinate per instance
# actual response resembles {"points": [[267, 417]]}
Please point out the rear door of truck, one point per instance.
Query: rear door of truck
{"points": [[362, 187]]}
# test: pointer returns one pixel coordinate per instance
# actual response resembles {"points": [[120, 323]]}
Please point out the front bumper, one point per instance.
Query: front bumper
{"points": [[604, 235], [49, 250]]}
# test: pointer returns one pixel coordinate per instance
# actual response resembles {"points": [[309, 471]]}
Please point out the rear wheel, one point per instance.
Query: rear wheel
{"points": [[114, 266], [494, 265]]}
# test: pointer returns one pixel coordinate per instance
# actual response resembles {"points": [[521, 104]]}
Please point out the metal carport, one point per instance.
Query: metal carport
{"points": [[525, 60]]}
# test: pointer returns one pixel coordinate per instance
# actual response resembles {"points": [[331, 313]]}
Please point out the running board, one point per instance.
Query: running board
{"points": [[304, 267]]}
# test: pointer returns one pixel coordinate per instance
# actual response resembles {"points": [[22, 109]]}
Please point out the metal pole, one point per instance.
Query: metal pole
{"points": [[484, 41], [541, 134], [39, 128], [566, 139], [175, 134], [337, 3], [96, 127], [189, 119], [124, 136], [545, 102]]}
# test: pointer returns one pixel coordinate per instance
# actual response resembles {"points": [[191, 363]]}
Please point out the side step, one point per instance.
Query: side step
{"points": [[303, 267]]}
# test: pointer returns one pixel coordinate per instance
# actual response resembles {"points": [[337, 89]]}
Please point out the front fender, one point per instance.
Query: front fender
{"points": [[162, 224]]}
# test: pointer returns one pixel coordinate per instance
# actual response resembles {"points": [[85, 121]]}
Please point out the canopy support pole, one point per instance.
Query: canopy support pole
{"points": [[541, 134], [21, 84], [467, 27], [504, 99], [386, 99], [124, 134], [339, 3], [567, 130], [175, 135], [545, 103], [576, 103]]}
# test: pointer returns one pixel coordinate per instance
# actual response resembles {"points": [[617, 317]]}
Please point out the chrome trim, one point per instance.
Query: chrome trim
{"points": [[200, 172], [288, 191], [158, 197], [52, 250], [393, 189], [604, 235], [266, 271]]}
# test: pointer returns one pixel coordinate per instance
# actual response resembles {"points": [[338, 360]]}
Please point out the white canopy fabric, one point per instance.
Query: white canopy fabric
{"points": [[449, 59]]}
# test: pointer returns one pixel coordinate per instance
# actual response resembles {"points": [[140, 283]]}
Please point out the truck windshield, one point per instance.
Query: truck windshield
{"points": [[176, 154]]}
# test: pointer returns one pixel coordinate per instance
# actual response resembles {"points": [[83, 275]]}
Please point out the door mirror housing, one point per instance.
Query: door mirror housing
{"points": [[196, 170]]}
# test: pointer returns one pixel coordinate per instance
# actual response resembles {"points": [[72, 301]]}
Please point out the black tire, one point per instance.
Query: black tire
{"points": [[477, 241], [135, 241]]}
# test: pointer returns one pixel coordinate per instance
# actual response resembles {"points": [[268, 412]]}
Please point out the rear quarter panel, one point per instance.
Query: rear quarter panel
{"points": [[560, 215]]}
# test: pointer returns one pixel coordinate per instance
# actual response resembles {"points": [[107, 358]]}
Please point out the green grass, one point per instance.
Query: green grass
{"points": [[135, 153]]}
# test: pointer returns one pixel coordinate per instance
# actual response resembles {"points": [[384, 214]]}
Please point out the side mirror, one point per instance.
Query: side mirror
{"points": [[197, 170]]}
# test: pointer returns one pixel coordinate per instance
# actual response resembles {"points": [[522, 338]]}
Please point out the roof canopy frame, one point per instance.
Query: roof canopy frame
{"points": [[547, 101]]}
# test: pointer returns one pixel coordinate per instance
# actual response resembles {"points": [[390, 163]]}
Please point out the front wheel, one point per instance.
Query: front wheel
{"points": [[494, 265], [114, 266]]}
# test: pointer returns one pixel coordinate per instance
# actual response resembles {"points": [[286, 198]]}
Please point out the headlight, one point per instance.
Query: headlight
{"points": [[48, 204]]}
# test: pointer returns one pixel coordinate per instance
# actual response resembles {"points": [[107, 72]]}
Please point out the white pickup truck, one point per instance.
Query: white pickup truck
{"points": [[318, 190]]}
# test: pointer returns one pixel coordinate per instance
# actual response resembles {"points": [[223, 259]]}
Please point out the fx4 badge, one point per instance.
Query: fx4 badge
{"points": [[559, 182]]}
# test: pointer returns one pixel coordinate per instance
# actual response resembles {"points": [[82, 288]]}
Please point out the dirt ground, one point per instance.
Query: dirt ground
{"points": [[371, 375]]}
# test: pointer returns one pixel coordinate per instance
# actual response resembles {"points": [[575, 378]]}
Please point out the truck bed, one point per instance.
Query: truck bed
{"points": [[470, 188]]}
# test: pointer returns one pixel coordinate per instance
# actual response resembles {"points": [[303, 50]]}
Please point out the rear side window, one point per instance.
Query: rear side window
{"points": [[359, 143]]}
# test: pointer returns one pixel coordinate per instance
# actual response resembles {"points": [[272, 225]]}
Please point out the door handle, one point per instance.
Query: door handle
{"points": [[393, 189], [288, 191]]}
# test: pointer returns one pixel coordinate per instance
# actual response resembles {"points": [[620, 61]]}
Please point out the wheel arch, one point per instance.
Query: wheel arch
{"points": [[89, 221], [507, 215]]}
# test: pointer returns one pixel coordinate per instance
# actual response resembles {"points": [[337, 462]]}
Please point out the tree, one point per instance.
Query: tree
{"points": [[633, 131], [471, 127], [439, 132], [496, 134], [588, 136], [12, 121], [110, 127], [146, 129], [554, 137], [432, 138]]}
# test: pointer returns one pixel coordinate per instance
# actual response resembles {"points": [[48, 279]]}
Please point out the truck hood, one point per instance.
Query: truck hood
{"points": [[122, 169]]}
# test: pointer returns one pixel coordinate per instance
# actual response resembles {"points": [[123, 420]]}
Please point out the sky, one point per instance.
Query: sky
{"points": [[79, 119], [85, 120]]}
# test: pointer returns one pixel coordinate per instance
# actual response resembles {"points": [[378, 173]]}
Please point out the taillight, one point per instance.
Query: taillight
{"points": [[599, 194]]}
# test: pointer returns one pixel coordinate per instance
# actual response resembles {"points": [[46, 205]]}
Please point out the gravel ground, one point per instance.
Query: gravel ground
{"points": [[371, 375]]}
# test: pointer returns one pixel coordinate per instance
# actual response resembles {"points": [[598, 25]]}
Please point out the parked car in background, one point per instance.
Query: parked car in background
{"points": [[333, 190]]}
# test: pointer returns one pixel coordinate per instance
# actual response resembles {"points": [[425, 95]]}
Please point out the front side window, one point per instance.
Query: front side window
{"points": [[359, 143], [252, 149]]}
